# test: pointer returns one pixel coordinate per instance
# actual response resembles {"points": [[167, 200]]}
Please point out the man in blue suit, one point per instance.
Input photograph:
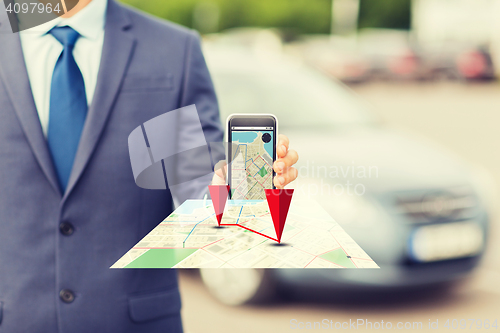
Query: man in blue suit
{"points": [[71, 91]]}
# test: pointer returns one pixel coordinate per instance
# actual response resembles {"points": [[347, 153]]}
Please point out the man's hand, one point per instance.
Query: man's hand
{"points": [[283, 166], [220, 173]]}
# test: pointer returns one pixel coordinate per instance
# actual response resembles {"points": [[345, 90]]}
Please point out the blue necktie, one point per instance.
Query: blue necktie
{"points": [[68, 106]]}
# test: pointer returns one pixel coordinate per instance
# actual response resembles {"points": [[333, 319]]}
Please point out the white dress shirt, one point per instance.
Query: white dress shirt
{"points": [[41, 52]]}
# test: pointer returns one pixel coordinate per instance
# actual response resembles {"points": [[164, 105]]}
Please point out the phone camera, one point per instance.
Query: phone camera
{"points": [[266, 137]]}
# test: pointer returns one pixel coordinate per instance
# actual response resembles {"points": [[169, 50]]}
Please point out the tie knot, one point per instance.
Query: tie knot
{"points": [[65, 35]]}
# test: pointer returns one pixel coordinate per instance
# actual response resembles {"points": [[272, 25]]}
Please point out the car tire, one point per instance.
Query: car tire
{"points": [[240, 285]]}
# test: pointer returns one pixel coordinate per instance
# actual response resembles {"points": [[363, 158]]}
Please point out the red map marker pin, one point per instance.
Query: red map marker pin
{"points": [[279, 203], [219, 195]]}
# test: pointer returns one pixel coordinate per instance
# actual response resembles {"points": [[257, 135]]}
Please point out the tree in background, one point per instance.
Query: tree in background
{"points": [[393, 14], [304, 16], [301, 16]]}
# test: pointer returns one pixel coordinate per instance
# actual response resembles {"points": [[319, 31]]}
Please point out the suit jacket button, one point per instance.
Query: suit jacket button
{"points": [[66, 228], [67, 296]]}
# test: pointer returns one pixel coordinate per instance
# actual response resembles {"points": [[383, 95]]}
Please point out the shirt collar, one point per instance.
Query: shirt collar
{"points": [[89, 22]]}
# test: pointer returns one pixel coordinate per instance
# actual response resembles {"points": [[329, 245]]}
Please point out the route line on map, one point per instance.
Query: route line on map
{"points": [[239, 215], [259, 170], [195, 227], [246, 168], [256, 179], [239, 225]]}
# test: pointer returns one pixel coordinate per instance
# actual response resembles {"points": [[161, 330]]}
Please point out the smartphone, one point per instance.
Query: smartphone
{"points": [[251, 154]]}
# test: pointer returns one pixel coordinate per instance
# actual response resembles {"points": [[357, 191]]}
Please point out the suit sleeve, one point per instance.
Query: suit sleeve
{"points": [[197, 89]]}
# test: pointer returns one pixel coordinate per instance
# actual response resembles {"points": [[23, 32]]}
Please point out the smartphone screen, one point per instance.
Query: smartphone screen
{"points": [[252, 155]]}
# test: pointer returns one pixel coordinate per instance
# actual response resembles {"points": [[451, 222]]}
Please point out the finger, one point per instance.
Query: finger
{"points": [[283, 145], [285, 178], [220, 168], [289, 160], [220, 173]]}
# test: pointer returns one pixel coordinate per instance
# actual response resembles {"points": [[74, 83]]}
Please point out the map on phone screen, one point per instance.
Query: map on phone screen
{"points": [[252, 163]]}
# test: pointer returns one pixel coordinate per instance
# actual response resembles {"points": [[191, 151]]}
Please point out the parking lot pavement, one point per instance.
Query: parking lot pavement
{"points": [[463, 118], [201, 313]]}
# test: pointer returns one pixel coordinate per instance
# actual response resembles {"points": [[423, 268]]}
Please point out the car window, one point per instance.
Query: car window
{"points": [[299, 98]]}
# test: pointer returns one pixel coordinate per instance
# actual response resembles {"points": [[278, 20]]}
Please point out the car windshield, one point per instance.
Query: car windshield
{"points": [[298, 96]]}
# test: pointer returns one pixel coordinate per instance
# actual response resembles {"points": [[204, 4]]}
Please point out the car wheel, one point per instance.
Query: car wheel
{"points": [[240, 285]]}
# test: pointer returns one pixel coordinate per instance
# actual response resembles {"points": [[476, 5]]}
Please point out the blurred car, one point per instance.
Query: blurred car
{"points": [[393, 55], [461, 35], [475, 64], [380, 54], [421, 216], [335, 55], [458, 61], [260, 41]]}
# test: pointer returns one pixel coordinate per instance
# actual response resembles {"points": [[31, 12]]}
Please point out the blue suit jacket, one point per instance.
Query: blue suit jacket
{"points": [[148, 67]]}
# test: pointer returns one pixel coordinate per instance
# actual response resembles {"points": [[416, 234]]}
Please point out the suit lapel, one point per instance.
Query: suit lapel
{"points": [[117, 52], [15, 77]]}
